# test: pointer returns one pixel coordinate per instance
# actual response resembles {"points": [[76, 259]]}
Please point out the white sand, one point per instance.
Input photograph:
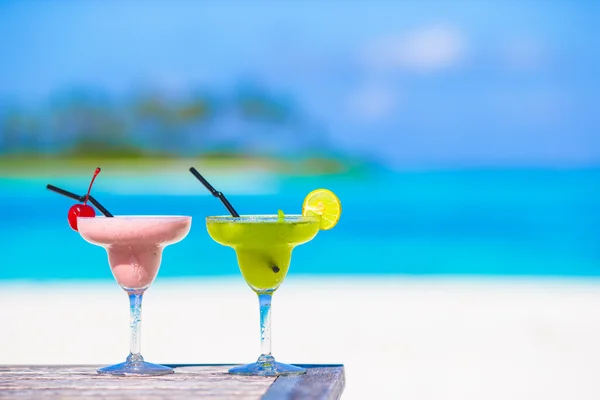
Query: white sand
{"points": [[399, 338]]}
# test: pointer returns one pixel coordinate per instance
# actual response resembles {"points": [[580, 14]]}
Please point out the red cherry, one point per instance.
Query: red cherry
{"points": [[79, 210], [82, 210]]}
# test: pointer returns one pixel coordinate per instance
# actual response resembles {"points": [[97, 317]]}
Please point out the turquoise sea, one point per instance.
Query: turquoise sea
{"points": [[472, 222]]}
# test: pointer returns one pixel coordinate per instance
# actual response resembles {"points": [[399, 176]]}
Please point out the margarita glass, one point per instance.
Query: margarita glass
{"points": [[134, 245], [264, 244]]}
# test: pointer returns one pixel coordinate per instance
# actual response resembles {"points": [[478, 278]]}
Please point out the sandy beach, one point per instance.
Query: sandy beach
{"points": [[399, 338]]}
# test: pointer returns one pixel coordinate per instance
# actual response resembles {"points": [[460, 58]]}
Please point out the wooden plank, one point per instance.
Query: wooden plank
{"points": [[71, 382], [321, 382], [188, 381]]}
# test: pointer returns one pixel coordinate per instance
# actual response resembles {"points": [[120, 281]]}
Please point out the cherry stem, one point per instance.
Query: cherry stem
{"points": [[87, 196]]}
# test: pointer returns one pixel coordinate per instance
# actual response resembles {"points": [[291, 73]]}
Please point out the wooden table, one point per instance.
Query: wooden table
{"points": [[188, 382]]}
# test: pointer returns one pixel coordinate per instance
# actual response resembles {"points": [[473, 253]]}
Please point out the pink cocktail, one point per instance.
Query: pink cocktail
{"points": [[134, 245]]}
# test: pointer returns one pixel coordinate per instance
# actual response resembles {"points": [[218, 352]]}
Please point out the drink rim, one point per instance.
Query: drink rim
{"points": [[257, 218], [121, 217]]}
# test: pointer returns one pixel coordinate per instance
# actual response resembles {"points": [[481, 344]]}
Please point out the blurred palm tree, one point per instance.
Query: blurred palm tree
{"points": [[166, 124], [86, 123]]}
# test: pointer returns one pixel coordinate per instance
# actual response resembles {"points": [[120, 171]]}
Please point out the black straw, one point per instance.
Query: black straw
{"points": [[80, 198], [98, 206], [64, 192], [215, 193]]}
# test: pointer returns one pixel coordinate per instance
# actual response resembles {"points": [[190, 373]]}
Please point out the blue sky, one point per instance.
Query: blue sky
{"points": [[415, 83]]}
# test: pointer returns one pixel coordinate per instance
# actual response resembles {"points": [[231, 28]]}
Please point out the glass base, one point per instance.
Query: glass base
{"points": [[135, 367], [267, 366]]}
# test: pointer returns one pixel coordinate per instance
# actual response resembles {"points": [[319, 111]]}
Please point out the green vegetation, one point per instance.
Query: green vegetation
{"points": [[251, 129]]}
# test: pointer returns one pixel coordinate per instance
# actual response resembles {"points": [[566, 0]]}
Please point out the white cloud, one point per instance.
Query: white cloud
{"points": [[423, 49]]}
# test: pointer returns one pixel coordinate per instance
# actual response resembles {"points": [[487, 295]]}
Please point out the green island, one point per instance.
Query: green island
{"points": [[147, 132]]}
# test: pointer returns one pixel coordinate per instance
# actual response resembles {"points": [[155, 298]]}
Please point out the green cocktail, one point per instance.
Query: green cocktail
{"points": [[263, 244]]}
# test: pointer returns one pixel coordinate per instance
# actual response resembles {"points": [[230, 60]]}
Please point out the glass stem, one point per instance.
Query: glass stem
{"points": [[264, 300], [135, 325]]}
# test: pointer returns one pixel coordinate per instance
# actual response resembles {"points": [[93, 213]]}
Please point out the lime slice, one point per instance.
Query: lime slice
{"points": [[325, 203]]}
